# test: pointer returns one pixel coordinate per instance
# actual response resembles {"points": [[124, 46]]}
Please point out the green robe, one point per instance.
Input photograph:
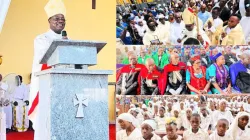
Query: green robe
{"points": [[164, 60], [125, 61], [140, 61]]}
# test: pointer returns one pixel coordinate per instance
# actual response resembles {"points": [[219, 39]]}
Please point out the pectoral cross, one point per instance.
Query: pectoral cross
{"points": [[93, 4], [80, 101]]}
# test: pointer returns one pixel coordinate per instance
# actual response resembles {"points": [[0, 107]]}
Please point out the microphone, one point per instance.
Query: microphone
{"points": [[64, 35]]}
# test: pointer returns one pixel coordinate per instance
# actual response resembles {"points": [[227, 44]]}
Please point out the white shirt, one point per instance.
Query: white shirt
{"points": [[141, 29], [220, 115], [161, 123], [246, 107], [242, 135], [200, 135], [152, 35], [155, 137], [175, 32], [122, 135], [164, 30], [205, 122], [185, 122], [244, 22], [166, 137], [215, 136]]}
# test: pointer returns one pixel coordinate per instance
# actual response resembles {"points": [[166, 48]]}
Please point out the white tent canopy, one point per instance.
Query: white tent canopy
{"points": [[4, 6]]}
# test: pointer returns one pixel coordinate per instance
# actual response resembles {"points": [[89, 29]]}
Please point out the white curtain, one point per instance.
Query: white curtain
{"points": [[4, 6]]}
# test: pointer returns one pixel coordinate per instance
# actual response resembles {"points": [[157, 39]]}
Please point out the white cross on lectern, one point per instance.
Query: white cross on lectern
{"points": [[80, 101]]}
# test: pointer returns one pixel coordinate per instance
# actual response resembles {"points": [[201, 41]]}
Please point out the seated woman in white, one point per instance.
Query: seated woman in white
{"points": [[129, 131], [161, 120], [240, 128]]}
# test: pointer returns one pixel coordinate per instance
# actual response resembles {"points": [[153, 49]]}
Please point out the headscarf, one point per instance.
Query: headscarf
{"points": [[151, 123], [233, 129], [129, 118]]}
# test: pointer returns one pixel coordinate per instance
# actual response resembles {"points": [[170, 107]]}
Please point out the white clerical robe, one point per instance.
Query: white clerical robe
{"points": [[215, 136], [41, 45], [244, 22], [155, 137], [200, 135], [20, 112], [234, 36], [166, 137], [152, 36], [164, 31], [193, 34], [122, 135], [7, 109], [175, 32]]}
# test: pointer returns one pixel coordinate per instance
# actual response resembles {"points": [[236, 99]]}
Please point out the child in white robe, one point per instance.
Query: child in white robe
{"points": [[220, 132]]}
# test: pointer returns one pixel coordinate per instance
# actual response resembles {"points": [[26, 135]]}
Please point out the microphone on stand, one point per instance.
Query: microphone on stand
{"points": [[64, 35]]}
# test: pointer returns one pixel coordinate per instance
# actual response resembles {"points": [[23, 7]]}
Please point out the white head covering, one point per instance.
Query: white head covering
{"points": [[161, 16], [233, 129], [128, 117], [151, 123], [54, 7], [144, 106], [222, 100], [132, 106]]}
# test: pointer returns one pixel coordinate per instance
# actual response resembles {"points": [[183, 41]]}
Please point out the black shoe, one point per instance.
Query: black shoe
{"points": [[8, 130]]}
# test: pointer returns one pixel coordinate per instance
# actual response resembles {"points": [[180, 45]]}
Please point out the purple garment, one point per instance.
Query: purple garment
{"points": [[221, 76], [234, 71]]}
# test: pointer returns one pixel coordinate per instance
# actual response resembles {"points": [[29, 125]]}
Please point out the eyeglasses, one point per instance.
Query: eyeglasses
{"points": [[58, 19]]}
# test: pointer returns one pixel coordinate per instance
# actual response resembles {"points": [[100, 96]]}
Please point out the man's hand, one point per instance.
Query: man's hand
{"points": [[199, 37], [223, 35], [209, 24], [179, 40], [229, 89]]}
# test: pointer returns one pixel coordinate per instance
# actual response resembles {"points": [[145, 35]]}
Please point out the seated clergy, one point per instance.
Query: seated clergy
{"points": [[233, 34], [174, 76], [127, 77], [150, 77]]}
